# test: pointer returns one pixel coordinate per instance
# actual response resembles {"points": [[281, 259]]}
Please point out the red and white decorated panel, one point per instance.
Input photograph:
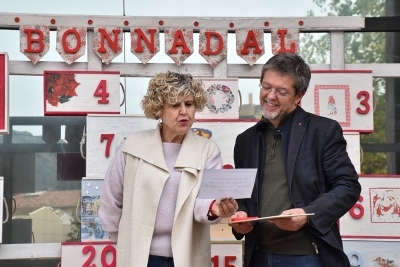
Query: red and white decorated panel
{"points": [[362, 253], [353, 149], [108, 42], [345, 96], [105, 135], [145, 43], [4, 108], [90, 254], [376, 215], [71, 43], [1, 207], [108, 33], [222, 99], [178, 44], [285, 41], [213, 45], [226, 254], [34, 41], [81, 92], [250, 44]]}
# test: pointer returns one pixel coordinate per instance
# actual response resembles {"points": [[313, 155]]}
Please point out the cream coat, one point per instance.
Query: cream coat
{"points": [[145, 174]]}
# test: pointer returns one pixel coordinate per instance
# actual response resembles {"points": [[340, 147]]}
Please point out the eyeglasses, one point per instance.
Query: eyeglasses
{"points": [[278, 92]]}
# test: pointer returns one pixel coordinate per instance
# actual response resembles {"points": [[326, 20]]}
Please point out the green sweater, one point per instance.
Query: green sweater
{"points": [[274, 197]]}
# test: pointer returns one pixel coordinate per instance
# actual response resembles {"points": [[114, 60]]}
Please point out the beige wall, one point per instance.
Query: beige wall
{"points": [[47, 227]]}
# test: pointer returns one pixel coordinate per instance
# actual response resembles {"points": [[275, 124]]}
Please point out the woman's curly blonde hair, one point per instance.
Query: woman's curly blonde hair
{"points": [[171, 87]]}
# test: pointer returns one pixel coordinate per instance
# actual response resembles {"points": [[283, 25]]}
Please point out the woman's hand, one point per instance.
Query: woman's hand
{"points": [[224, 207]]}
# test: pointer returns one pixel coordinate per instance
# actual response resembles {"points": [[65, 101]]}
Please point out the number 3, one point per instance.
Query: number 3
{"points": [[363, 102]]}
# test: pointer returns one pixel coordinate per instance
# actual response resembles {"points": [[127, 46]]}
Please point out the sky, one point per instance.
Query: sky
{"points": [[31, 88], [207, 8]]}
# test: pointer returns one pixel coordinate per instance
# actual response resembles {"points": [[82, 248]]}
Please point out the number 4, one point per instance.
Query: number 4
{"points": [[101, 91]]}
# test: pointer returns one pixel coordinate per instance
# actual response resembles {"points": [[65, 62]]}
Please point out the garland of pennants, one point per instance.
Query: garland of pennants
{"points": [[145, 43]]}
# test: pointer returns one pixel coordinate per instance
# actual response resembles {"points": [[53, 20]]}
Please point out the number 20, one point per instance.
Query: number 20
{"points": [[92, 251]]}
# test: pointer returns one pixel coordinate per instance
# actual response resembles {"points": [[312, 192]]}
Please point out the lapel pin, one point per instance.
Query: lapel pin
{"points": [[299, 123]]}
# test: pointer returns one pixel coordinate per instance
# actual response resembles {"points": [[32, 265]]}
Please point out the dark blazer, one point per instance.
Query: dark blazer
{"points": [[320, 175]]}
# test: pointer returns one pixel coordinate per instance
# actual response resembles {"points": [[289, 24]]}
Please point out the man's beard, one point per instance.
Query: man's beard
{"points": [[272, 116]]}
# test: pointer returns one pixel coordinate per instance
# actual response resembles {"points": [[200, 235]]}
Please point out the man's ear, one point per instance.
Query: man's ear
{"points": [[299, 96]]}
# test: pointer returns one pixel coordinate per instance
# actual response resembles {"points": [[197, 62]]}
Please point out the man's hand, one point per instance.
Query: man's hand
{"points": [[224, 207], [241, 227], [292, 223]]}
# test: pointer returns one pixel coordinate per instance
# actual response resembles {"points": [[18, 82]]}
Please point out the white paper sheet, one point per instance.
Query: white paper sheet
{"points": [[236, 183]]}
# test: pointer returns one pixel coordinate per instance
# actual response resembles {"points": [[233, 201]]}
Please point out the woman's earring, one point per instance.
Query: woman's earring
{"points": [[160, 121]]}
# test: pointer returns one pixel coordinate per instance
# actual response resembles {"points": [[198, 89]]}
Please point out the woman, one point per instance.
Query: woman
{"points": [[149, 203]]}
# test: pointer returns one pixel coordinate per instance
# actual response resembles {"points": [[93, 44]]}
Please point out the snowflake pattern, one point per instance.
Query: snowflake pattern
{"points": [[291, 37], [109, 53], [241, 37], [71, 42], [144, 53], [40, 48], [184, 40], [213, 59]]}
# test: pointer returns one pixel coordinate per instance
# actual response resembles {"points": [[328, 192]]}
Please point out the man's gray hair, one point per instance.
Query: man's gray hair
{"points": [[292, 65]]}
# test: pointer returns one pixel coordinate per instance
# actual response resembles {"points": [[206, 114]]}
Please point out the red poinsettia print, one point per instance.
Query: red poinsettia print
{"points": [[60, 88]]}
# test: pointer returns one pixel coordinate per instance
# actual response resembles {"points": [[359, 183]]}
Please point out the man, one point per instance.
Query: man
{"points": [[303, 167]]}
